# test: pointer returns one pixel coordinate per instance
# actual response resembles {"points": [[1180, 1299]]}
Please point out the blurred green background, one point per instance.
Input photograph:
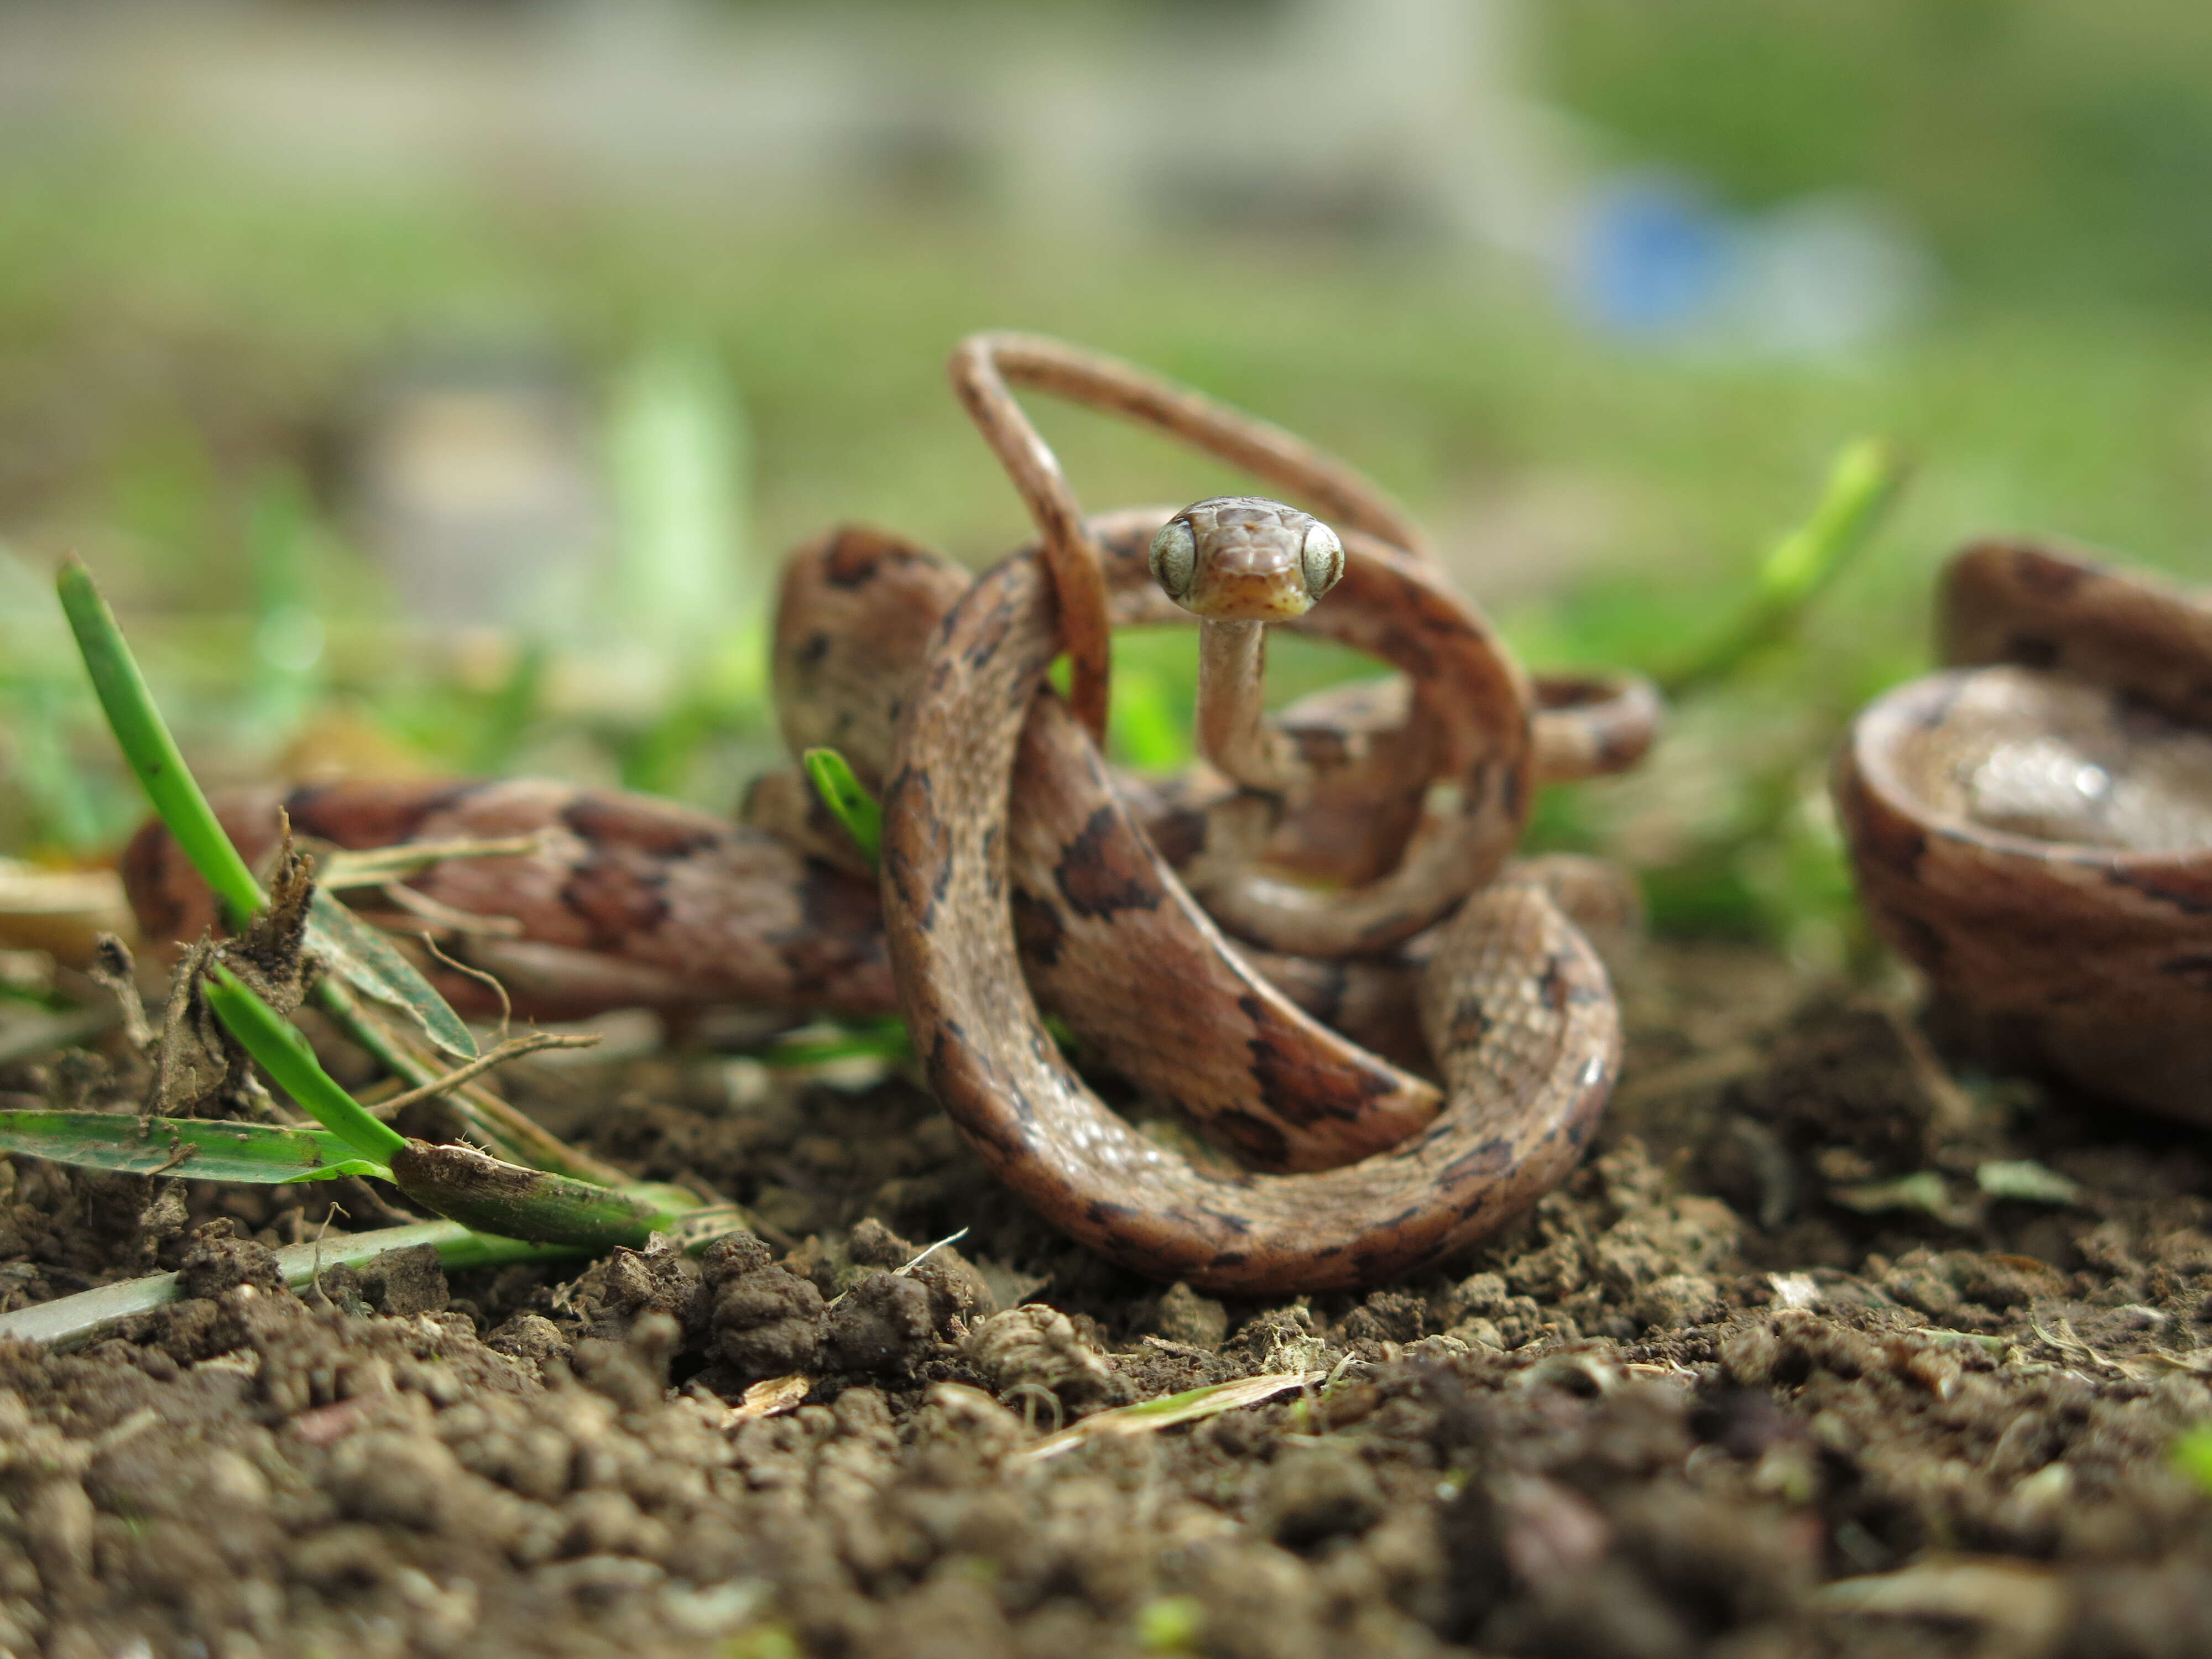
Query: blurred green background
{"points": [[437, 387]]}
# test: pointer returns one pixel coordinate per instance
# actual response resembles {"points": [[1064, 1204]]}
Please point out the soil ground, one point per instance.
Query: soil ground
{"points": [[1822, 1352]]}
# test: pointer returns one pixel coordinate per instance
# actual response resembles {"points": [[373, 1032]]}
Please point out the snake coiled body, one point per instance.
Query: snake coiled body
{"points": [[1514, 1001], [1016, 865]]}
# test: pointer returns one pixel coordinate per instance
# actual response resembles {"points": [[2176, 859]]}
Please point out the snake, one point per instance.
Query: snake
{"points": [[1017, 867], [2031, 825]]}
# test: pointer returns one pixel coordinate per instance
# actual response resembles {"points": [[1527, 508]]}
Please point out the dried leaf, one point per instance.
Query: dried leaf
{"points": [[1190, 1407]]}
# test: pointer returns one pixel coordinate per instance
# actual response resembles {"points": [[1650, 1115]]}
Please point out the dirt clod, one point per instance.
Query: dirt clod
{"points": [[1696, 1405]]}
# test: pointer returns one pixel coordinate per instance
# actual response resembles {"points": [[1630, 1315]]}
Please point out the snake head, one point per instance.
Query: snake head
{"points": [[1243, 558]]}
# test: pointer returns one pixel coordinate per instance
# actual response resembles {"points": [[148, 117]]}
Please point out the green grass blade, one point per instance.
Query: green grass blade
{"points": [[1863, 483], [195, 1149], [145, 738], [363, 955], [479, 1113], [70, 1321], [284, 1055], [884, 1039], [847, 797], [481, 1192], [372, 965]]}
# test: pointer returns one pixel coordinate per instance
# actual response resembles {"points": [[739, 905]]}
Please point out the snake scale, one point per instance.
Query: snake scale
{"points": [[1398, 1071]]}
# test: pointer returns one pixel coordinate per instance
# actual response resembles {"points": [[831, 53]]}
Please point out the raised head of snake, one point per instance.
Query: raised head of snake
{"points": [[1246, 559], [1237, 563]]}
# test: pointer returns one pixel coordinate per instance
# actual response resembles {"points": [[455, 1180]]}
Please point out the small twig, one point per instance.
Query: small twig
{"points": [[343, 868], [929, 1251], [506, 1002], [512, 1048], [515, 1135], [180, 1154], [448, 917]]}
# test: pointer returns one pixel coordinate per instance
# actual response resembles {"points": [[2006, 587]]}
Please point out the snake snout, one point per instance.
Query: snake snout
{"points": [[1243, 558]]}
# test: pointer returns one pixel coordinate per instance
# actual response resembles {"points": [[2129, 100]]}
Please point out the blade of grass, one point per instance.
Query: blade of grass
{"points": [[464, 1185], [1863, 483], [145, 738], [847, 799], [884, 1039], [341, 868], [284, 1055], [70, 1321], [198, 1149], [354, 949], [372, 964], [479, 1112]]}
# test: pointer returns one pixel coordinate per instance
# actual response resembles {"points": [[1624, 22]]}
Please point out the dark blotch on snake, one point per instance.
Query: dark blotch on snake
{"points": [[853, 559], [627, 822], [615, 901], [358, 815], [1496, 1154], [1104, 870], [1261, 1142], [837, 928], [1343, 1094], [1037, 929], [1179, 834]]}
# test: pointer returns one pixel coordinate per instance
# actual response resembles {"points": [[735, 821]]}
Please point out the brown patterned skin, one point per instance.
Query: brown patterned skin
{"points": [[983, 368], [2032, 827], [1069, 889], [1513, 1000], [632, 901]]}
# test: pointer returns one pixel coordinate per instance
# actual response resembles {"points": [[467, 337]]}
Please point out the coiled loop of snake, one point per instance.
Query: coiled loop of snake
{"points": [[1513, 1000], [638, 901], [1514, 1003]]}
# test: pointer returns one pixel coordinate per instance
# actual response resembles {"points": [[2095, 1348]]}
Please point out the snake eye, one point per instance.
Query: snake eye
{"points": [[1175, 558], [1322, 558]]}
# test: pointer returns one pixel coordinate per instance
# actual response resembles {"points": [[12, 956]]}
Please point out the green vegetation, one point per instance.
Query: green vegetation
{"points": [[508, 1211], [848, 800]]}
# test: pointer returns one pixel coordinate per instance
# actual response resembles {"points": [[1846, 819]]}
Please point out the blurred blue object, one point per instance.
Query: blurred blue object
{"points": [[1655, 255], [1821, 276]]}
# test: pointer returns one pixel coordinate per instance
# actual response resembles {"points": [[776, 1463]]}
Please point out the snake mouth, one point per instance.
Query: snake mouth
{"points": [[1248, 595]]}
